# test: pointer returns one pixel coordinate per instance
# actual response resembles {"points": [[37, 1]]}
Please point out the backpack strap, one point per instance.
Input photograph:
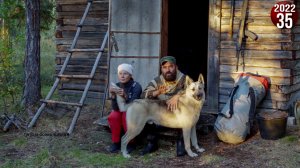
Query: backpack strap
{"points": [[231, 101], [252, 106], [231, 110]]}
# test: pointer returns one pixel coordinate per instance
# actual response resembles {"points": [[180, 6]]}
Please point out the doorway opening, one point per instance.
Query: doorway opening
{"points": [[186, 42]]}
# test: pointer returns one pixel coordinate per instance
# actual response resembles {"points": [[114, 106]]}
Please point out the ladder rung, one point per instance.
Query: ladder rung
{"points": [[100, 1], [88, 50], [75, 76], [102, 24], [79, 25], [98, 24], [60, 102]]}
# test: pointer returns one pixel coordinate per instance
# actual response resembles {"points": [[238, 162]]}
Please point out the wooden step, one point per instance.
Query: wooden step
{"points": [[103, 1], [75, 76], [88, 50], [60, 102], [102, 24], [99, 24]]}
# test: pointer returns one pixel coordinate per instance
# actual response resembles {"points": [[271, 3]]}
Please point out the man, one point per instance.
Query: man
{"points": [[168, 86]]}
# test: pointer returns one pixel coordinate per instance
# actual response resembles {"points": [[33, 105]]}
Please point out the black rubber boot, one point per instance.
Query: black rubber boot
{"points": [[151, 146], [114, 148], [131, 147], [152, 139], [180, 150]]}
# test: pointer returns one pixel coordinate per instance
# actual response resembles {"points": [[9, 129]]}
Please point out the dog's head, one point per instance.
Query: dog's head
{"points": [[196, 89]]}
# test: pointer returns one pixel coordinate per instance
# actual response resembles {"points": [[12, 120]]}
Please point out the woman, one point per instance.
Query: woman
{"points": [[130, 90]]}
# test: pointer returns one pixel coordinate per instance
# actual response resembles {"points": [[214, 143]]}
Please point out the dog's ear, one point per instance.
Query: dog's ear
{"points": [[188, 81], [201, 78]]}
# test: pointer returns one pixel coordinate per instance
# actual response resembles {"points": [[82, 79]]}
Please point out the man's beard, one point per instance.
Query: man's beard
{"points": [[170, 76]]}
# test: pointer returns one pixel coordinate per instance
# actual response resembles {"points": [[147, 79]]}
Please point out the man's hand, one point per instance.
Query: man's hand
{"points": [[161, 90], [173, 102]]}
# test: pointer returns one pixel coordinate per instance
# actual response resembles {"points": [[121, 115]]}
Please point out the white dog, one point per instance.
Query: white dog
{"points": [[139, 112]]}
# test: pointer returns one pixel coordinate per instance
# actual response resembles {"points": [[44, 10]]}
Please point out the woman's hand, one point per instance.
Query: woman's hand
{"points": [[113, 90], [120, 92], [117, 91]]}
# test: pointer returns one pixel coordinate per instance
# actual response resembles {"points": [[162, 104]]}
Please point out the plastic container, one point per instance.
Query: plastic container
{"points": [[272, 125]]}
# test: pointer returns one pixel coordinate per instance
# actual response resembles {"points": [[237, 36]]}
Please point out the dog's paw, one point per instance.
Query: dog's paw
{"points": [[126, 155], [200, 150], [192, 154]]}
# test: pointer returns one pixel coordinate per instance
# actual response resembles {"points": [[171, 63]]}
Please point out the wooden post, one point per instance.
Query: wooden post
{"points": [[213, 53]]}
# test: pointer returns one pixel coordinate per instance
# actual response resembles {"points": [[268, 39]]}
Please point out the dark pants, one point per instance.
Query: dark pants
{"points": [[152, 131]]}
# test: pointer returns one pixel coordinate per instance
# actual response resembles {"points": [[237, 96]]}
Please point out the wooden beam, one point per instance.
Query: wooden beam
{"points": [[258, 70], [213, 53], [259, 54]]}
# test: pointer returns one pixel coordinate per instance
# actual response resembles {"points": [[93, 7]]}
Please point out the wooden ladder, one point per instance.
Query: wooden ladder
{"points": [[62, 75]]}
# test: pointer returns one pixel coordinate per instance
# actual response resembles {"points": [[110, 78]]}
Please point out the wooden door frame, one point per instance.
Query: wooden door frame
{"points": [[164, 28], [213, 54], [213, 50]]}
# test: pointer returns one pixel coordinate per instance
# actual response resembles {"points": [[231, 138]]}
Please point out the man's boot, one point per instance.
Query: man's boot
{"points": [[151, 146], [131, 146], [180, 150]]}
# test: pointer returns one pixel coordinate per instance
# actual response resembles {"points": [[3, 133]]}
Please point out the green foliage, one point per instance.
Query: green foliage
{"points": [[8, 81], [12, 13], [47, 57], [47, 13], [12, 50]]}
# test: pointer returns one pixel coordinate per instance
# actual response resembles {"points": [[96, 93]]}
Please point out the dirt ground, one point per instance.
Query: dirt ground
{"points": [[87, 147]]}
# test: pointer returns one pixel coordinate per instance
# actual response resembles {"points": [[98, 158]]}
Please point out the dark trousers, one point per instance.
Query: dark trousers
{"points": [[152, 131]]}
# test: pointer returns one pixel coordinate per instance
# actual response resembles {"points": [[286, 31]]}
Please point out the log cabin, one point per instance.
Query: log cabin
{"points": [[202, 38]]}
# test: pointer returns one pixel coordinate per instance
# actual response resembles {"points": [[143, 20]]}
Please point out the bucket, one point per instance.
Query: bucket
{"points": [[272, 125]]}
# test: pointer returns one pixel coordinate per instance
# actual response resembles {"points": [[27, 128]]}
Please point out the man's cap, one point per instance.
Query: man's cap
{"points": [[170, 59]]}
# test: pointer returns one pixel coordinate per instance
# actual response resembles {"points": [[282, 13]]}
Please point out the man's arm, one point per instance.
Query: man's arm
{"points": [[151, 91], [182, 85]]}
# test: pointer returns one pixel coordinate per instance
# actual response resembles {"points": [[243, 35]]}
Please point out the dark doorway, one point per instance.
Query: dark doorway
{"points": [[187, 36]]}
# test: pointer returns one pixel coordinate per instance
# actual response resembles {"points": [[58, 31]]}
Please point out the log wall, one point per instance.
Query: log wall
{"points": [[275, 54], [69, 13]]}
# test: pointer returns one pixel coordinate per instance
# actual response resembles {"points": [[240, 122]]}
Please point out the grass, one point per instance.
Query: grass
{"points": [[41, 159], [289, 139], [56, 151], [19, 142], [87, 158], [211, 159]]}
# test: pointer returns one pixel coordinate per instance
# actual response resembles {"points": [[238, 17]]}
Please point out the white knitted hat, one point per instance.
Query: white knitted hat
{"points": [[125, 67]]}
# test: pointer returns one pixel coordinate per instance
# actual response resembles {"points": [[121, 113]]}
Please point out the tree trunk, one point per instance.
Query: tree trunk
{"points": [[32, 86]]}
